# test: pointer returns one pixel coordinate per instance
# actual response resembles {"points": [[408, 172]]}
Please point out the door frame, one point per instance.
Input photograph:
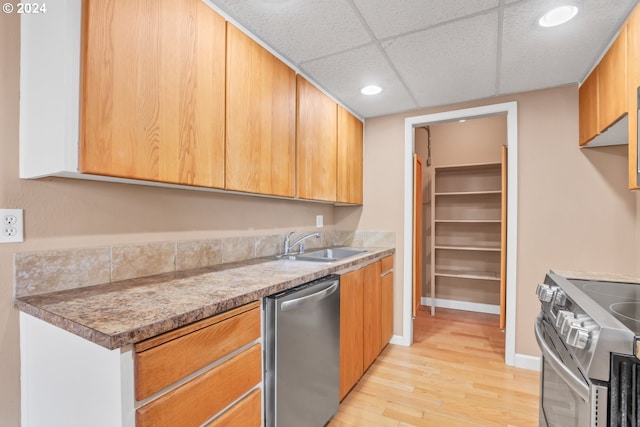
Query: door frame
{"points": [[511, 111]]}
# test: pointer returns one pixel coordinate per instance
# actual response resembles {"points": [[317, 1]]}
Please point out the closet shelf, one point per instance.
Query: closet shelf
{"points": [[475, 275], [469, 221], [469, 248], [470, 166], [468, 193], [467, 226]]}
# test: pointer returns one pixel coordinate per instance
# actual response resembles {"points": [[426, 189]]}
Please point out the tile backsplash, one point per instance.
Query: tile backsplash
{"points": [[50, 271]]}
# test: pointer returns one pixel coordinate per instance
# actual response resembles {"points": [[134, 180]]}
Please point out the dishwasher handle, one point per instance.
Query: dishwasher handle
{"points": [[298, 302]]}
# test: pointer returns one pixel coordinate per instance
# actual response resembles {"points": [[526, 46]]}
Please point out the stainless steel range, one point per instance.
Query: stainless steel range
{"points": [[588, 332]]}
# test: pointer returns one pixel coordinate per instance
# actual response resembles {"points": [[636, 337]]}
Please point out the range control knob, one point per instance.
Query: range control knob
{"points": [[578, 337], [565, 321], [545, 292], [560, 299], [562, 316], [579, 334]]}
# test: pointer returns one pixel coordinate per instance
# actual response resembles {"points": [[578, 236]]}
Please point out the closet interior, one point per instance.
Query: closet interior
{"points": [[464, 214]]}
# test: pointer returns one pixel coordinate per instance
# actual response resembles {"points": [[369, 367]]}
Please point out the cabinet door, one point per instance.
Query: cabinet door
{"points": [[351, 337], [153, 84], [633, 57], [612, 82], [372, 306], [386, 307], [261, 114], [316, 140], [349, 171], [588, 108]]}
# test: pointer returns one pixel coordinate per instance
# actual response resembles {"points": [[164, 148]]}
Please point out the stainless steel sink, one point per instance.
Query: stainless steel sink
{"points": [[324, 255]]}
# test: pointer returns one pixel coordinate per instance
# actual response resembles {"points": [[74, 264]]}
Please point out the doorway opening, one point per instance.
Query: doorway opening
{"points": [[412, 126]]}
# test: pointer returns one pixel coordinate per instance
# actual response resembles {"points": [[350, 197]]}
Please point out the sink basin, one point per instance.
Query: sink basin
{"points": [[325, 255]]}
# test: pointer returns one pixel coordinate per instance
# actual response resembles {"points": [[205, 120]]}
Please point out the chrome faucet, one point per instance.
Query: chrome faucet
{"points": [[288, 245]]}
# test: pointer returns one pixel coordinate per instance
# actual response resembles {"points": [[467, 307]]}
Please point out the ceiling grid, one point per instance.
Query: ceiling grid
{"points": [[425, 53]]}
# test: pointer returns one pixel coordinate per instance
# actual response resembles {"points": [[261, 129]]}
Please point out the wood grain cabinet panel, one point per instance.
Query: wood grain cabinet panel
{"points": [[245, 413], [196, 401], [588, 108], [152, 96], [612, 82], [349, 168], [366, 319], [372, 311], [351, 330], [633, 63], [316, 138], [261, 114], [386, 267], [161, 361]]}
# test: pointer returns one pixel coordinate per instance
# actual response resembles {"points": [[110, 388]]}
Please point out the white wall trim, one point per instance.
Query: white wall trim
{"points": [[398, 340], [462, 305], [511, 110], [524, 361]]}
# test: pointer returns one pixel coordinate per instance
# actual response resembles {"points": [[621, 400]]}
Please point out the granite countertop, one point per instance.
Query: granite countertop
{"points": [[601, 277], [117, 314]]}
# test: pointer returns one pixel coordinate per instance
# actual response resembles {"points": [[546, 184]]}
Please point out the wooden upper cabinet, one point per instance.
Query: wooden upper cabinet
{"points": [[152, 96], [316, 138], [633, 63], [261, 114], [588, 108], [612, 83], [349, 172]]}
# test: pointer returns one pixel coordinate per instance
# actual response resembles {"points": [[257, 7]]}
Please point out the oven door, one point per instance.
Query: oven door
{"points": [[565, 394]]}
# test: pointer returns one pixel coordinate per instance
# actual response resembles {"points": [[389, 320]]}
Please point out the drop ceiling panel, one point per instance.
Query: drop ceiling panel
{"points": [[300, 30], [430, 52], [390, 18], [534, 57], [449, 63], [346, 73]]}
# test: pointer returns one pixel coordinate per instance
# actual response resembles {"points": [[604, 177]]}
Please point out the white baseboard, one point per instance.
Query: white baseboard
{"points": [[462, 305], [524, 361], [399, 340]]}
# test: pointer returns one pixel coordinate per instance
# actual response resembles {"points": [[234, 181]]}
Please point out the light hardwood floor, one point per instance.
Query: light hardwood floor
{"points": [[453, 375]]}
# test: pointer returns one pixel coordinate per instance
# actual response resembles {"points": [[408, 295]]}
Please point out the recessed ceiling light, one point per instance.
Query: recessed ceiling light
{"points": [[558, 16], [371, 90]]}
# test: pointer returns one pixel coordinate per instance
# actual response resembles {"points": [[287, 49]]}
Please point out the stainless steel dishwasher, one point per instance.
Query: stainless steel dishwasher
{"points": [[302, 354]]}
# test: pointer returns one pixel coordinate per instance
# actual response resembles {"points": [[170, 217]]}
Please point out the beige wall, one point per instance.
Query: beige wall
{"points": [[63, 213], [574, 209]]}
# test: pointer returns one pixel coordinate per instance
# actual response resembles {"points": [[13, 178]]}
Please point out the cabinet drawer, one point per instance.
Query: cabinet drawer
{"points": [[386, 264], [163, 360], [195, 402], [246, 413]]}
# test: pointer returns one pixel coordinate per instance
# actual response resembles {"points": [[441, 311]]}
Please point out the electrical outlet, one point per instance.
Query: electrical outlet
{"points": [[11, 226]]}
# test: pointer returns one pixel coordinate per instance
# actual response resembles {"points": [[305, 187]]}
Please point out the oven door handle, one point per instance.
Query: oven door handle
{"points": [[576, 383]]}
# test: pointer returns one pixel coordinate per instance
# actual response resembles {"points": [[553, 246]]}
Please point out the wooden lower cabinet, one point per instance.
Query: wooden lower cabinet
{"points": [[372, 303], [386, 285], [245, 413], [366, 319], [165, 362], [351, 330], [196, 401]]}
